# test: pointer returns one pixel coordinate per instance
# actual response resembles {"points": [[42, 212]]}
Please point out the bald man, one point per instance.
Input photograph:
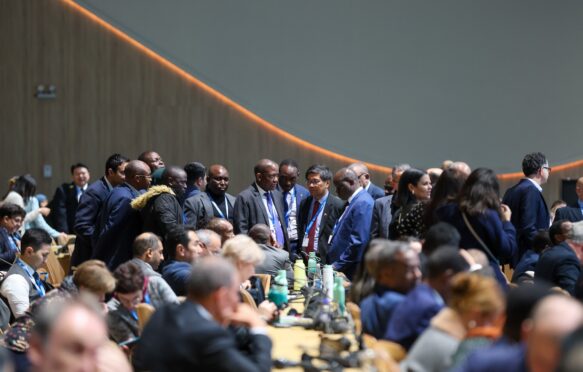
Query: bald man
{"points": [[262, 203], [352, 230], [119, 224], [67, 338], [363, 176], [214, 202], [553, 319], [573, 212], [160, 208]]}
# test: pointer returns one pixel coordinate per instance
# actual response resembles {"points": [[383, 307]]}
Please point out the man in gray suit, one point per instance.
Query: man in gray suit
{"points": [[213, 202], [381, 217], [262, 203], [275, 258]]}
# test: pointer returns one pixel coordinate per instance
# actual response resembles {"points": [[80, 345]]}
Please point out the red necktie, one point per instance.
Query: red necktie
{"points": [[312, 232]]}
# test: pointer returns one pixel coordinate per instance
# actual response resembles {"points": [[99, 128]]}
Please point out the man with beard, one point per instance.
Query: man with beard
{"points": [[160, 207], [214, 203]]}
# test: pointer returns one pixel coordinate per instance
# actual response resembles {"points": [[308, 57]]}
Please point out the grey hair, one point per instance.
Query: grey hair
{"points": [[209, 274], [206, 236], [383, 253]]}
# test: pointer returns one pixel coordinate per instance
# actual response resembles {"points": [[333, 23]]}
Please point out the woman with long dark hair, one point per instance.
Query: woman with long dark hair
{"points": [[481, 220], [446, 191], [414, 192]]}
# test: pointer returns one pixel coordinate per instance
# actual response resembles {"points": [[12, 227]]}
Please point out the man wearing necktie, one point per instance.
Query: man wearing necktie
{"points": [[262, 203], [66, 200], [352, 230], [293, 195]]}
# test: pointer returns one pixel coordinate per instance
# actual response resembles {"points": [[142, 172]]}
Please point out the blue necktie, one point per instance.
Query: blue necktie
{"points": [[39, 284], [275, 220]]}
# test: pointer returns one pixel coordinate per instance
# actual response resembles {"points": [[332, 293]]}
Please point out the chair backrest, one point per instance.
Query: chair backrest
{"points": [[145, 312], [247, 298], [265, 281], [354, 311], [54, 268]]}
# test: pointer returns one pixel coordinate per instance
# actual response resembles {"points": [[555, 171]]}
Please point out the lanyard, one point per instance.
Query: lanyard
{"points": [[315, 216], [219, 209], [39, 286]]}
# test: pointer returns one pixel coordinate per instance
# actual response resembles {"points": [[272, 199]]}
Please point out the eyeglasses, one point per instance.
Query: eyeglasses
{"points": [[146, 176], [547, 168]]}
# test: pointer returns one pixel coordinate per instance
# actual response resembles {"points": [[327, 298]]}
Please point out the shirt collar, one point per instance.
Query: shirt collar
{"points": [[323, 197], [27, 267], [354, 194], [261, 191], [539, 188], [367, 186], [109, 186], [203, 312]]}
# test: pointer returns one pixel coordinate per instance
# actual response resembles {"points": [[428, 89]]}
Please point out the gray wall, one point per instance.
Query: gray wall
{"points": [[386, 81]]}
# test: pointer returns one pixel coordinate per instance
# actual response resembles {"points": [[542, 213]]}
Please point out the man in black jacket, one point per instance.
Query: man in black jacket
{"points": [[193, 337], [160, 207]]}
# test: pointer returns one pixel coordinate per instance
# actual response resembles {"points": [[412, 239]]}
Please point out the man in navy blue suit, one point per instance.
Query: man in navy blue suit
{"points": [[352, 230], [292, 195], [363, 176], [573, 213], [526, 201], [119, 224], [66, 199], [559, 265], [90, 205]]}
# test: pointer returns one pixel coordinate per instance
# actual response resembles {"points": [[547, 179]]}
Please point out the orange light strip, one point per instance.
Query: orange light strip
{"points": [[252, 116], [180, 72]]}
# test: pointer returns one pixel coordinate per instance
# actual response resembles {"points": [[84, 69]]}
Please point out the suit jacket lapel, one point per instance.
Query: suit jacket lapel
{"points": [[258, 199]]}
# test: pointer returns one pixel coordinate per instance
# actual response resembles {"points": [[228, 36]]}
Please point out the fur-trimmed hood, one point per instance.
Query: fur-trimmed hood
{"points": [[141, 201]]}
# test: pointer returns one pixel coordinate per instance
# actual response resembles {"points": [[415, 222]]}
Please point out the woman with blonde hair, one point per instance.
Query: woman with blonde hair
{"points": [[245, 254], [472, 320]]}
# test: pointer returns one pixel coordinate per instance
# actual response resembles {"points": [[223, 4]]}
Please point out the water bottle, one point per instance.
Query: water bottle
{"points": [[328, 281], [312, 266], [278, 292], [300, 278], [340, 295]]}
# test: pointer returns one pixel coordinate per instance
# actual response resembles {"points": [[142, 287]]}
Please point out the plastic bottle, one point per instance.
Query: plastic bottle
{"points": [[340, 295], [300, 278], [328, 281], [312, 265], [318, 278], [278, 292]]}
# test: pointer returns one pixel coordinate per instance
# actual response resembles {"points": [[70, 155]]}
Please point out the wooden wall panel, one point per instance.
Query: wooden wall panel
{"points": [[114, 98]]}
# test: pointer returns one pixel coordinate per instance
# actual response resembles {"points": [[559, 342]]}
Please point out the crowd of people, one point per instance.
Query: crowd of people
{"points": [[439, 263]]}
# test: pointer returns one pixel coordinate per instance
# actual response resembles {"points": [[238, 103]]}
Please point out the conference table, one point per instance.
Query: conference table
{"points": [[290, 342]]}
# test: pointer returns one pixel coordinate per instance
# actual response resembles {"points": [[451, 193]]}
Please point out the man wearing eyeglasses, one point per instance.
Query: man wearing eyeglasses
{"points": [[526, 201], [361, 171], [119, 224]]}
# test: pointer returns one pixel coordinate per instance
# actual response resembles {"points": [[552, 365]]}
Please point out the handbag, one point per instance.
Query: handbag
{"points": [[484, 246]]}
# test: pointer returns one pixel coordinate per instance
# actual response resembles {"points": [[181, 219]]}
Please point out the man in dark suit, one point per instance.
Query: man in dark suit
{"points": [[559, 264], [214, 203], [90, 205], [119, 224], [11, 219], [195, 179], [352, 230], [573, 212], [361, 171], [381, 217], [292, 196], [276, 259], [526, 201], [193, 337], [66, 199], [262, 203], [318, 212]]}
